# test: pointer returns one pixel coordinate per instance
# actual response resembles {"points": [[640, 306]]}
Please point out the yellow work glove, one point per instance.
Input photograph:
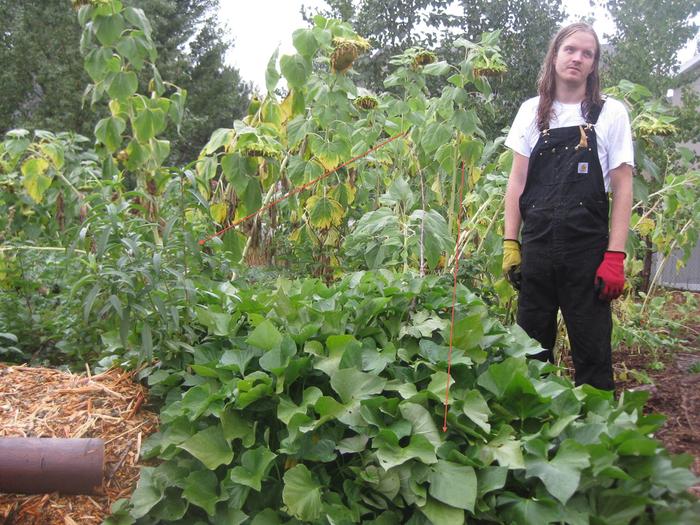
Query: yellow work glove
{"points": [[511, 262]]}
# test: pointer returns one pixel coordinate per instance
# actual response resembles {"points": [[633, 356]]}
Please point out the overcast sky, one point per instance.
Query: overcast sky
{"points": [[259, 26]]}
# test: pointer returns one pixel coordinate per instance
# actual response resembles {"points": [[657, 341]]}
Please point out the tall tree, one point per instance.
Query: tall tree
{"points": [[644, 48], [42, 78]]}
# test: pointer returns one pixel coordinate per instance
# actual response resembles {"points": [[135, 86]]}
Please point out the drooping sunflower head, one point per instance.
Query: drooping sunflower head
{"points": [[366, 102], [258, 149], [650, 127], [346, 51], [361, 44], [423, 58], [489, 70], [487, 61]]}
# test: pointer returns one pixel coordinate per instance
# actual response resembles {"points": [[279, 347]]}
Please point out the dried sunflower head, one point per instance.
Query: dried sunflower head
{"points": [[652, 124], [257, 149], [342, 58], [423, 58], [649, 129], [488, 63], [489, 71], [345, 52], [366, 102], [361, 44]]}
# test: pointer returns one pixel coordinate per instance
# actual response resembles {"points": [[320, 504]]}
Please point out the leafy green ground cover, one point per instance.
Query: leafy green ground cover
{"points": [[326, 406]]}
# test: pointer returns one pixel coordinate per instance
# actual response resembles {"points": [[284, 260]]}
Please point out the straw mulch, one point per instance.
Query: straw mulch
{"points": [[43, 402]]}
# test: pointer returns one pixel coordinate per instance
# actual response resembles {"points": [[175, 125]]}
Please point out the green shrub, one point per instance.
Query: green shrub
{"points": [[321, 404]]}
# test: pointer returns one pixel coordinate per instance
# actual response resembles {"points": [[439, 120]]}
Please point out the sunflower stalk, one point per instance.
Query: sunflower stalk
{"points": [[466, 234], [422, 224]]}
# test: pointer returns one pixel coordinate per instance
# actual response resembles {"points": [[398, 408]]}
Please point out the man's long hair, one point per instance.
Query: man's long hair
{"points": [[546, 85]]}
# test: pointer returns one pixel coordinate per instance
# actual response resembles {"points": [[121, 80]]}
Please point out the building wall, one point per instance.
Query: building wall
{"points": [[687, 278]]}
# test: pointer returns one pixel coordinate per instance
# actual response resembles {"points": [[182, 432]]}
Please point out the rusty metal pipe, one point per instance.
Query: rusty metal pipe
{"points": [[43, 465]]}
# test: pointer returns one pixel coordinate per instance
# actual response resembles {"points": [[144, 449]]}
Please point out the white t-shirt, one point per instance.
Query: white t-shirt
{"points": [[613, 131]]}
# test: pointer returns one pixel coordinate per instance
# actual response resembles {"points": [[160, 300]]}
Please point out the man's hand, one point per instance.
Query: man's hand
{"points": [[511, 262], [610, 276]]}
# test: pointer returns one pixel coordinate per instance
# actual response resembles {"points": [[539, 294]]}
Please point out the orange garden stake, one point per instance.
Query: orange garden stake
{"points": [[299, 189], [454, 302]]}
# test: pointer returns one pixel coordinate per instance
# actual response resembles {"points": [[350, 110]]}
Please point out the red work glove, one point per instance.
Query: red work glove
{"points": [[610, 276]]}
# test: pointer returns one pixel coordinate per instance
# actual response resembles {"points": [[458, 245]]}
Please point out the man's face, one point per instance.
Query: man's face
{"points": [[574, 60]]}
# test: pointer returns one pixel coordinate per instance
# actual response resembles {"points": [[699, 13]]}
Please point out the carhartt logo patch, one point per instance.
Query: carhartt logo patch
{"points": [[583, 167]]}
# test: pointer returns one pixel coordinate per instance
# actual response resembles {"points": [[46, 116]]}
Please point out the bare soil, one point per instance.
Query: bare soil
{"points": [[674, 390]]}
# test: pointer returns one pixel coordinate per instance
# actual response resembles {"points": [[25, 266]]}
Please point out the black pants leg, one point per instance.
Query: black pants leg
{"points": [[538, 301], [551, 282], [588, 321]]}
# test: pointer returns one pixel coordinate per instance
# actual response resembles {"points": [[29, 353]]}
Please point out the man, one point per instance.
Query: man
{"points": [[570, 148]]}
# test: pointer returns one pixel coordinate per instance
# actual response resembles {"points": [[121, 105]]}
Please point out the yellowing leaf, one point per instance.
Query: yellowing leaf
{"points": [[328, 159], [645, 226], [55, 154], [332, 238], [115, 107], [271, 113], [34, 166], [206, 168], [286, 107], [328, 154], [436, 186], [474, 175], [344, 193], [324, 212], [295, 235], [35, 181], [218, 211]]}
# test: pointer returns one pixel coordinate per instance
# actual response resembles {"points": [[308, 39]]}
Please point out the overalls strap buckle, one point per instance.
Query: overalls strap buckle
{"points": [[583, 141]]}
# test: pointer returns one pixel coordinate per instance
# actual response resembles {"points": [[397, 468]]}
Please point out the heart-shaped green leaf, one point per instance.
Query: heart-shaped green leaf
{"points": [[210, 447], [302, 494]]}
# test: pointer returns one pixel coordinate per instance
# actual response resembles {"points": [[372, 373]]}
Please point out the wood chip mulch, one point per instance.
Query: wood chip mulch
{"points": [[44, 402]]}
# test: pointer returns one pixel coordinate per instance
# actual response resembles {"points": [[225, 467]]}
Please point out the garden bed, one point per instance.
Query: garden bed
{"points": [[43, 402], [674, 390], [676, 394]]}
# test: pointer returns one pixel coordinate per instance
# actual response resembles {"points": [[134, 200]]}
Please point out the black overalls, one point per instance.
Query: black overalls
{"points": [[564, 208]]}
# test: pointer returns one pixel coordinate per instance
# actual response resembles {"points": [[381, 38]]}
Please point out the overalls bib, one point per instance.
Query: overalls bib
{"points": [[564, 208]]}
